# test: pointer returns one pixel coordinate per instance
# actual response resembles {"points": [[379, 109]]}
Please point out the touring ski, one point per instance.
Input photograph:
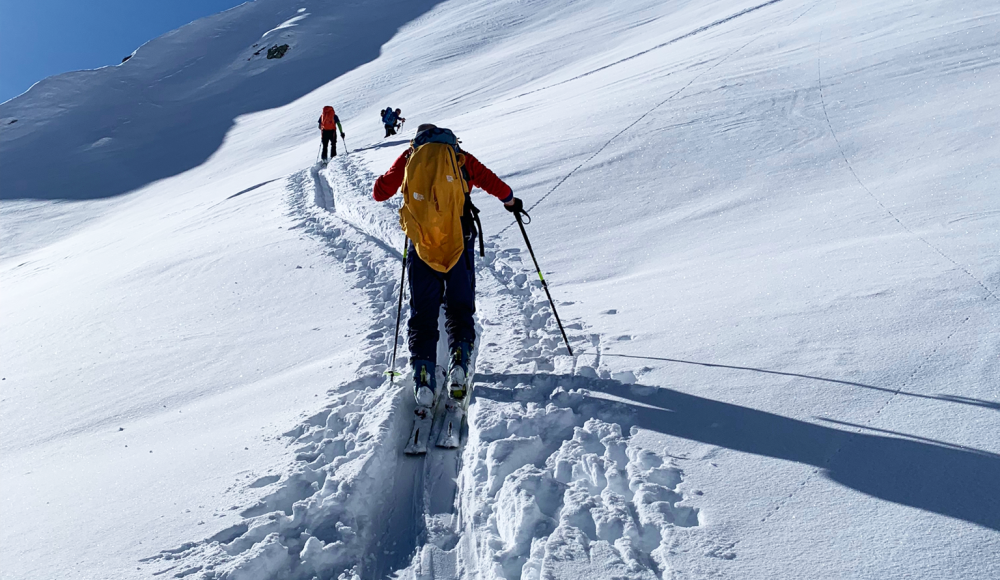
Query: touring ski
{"points": [[453, 416], [420, 434], [427, 396], [455, 407]]}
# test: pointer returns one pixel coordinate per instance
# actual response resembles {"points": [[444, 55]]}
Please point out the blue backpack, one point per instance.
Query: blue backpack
{"points": [[388, 116], [436, 135]]}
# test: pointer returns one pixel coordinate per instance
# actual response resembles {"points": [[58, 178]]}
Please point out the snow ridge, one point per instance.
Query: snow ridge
{"points": [[322, 514], [560, 495]]}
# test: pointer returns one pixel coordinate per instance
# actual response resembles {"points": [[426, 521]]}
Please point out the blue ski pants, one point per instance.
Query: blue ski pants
{"points": [[429, 290]]}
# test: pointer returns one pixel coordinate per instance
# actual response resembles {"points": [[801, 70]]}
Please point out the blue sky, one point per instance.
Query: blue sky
{"points": [[40, 38]]}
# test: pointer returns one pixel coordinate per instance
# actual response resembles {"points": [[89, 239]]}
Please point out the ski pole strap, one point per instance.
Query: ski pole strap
{"points": [[479, 226], [473, 211]]}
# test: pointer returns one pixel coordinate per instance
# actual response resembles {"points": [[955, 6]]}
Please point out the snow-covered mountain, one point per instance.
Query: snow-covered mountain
{"points": [[771, 229]]}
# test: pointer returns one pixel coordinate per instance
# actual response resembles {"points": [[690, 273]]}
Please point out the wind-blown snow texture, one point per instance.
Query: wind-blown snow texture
{"points": [[771, 228]]}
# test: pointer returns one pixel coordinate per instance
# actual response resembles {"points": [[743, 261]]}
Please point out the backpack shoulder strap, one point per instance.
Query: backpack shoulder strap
{"points": [[470, 210], [473, 212]]}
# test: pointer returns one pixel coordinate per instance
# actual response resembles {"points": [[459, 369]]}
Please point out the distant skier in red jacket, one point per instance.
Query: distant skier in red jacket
{"points": [[430, 287], [329, 122]]}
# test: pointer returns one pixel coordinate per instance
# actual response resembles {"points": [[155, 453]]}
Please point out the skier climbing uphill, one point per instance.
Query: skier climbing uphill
{"points": [[390, 118], [439, 220], [329, 122]]}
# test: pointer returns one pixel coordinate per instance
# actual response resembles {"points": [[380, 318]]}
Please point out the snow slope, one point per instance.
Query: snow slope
{"points": [[771, 228]]}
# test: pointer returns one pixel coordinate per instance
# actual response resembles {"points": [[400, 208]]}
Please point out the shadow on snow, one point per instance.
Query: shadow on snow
{"points": [[951, 480], [382, 145], [938, 397]]}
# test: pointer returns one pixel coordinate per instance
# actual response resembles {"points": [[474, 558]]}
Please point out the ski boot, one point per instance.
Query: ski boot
{"points": [[423, 384], [458, 370], [455, 404]]}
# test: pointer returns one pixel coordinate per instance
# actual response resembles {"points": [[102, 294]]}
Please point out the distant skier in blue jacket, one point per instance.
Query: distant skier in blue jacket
{"points": [[390, 118]]}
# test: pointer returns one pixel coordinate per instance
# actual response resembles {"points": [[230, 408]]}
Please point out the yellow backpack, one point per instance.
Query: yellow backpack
{"points": [[434, 194]]}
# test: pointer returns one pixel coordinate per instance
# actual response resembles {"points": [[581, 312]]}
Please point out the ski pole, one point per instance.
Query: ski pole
{"points": [[318, 153], [545, 285], [344, 141], [399, 311]]}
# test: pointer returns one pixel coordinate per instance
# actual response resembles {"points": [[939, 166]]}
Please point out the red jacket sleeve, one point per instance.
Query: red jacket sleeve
{"points": [[387, 185], [480, 176]]}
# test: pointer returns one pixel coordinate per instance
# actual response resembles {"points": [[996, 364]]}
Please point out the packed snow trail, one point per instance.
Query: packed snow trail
{"points": [[452, 543], [442, 516], [455, 542], [339, 450]]}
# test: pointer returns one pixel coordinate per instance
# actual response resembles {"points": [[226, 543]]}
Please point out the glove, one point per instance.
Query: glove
{"points": [[342, 135], [516, 207]]}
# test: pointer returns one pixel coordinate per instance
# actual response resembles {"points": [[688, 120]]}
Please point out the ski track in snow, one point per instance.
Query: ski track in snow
{"points": [[694, 32], [321, 514], [666, 100], [850, 166], [548, 480], [858, 429]]}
